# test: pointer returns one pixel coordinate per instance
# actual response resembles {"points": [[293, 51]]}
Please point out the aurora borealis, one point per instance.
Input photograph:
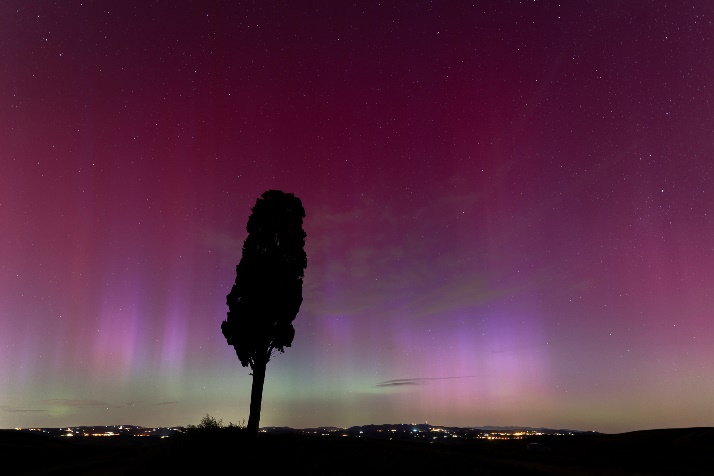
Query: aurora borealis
{"points": [[510, 210]]}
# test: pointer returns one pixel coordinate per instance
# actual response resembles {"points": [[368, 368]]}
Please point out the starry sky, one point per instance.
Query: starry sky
{"points": [[509, 210]]}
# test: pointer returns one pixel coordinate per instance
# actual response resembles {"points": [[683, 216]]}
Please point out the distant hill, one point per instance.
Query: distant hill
{"points": [[653, 452]]}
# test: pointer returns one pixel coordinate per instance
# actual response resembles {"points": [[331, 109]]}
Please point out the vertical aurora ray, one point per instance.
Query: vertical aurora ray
{"points": [[174, 342]]}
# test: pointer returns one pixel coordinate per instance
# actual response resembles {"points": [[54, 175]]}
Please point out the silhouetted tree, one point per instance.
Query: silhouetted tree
{"points": [[267, 292]]}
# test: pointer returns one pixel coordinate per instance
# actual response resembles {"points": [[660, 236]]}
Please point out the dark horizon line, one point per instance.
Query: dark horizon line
{"points": [[470, 427]]}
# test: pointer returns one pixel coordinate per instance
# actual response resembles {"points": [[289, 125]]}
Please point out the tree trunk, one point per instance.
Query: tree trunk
{"points": [[256, 398]]}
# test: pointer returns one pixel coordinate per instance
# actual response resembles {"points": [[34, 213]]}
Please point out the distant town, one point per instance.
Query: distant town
{"points": [[107, 431], [421, 431]]}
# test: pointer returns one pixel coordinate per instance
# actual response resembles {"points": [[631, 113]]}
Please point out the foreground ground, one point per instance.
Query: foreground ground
{"points": [[687, 451]]}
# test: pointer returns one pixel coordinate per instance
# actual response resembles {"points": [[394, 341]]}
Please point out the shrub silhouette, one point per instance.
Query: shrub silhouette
{"points": [[209, 429], [208, 423]]}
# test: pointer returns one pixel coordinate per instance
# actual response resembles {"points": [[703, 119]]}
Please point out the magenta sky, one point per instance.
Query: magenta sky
{"points": [[510, 210]]}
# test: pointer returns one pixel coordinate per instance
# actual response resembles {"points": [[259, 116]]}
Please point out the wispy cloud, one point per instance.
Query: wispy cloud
{"points": [[10, 409], [416, 381], [228, 244], [173, 402], [399, 383], [77, 403]]}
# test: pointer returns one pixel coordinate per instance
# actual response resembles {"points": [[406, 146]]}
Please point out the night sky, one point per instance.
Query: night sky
{"points": [[510, 210]]}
